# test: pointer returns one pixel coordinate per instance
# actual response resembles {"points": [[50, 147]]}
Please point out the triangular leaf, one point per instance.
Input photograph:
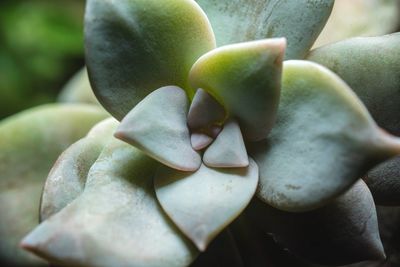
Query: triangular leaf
{"points": [[246, 79], [157, 126], [228, 149], [202, 203]]}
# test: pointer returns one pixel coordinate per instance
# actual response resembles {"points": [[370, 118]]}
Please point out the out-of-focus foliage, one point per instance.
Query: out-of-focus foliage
{"points": [[41, 46]]}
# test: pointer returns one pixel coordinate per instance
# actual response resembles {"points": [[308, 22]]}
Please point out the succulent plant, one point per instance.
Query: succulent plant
{"points": [[220, 106]]}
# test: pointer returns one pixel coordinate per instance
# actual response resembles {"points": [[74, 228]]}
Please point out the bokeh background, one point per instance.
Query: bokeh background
{"points": [[41, 47]]}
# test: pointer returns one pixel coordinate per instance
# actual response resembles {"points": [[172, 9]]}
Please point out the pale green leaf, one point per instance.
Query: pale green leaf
{"points": [[136, 46], [323, 140], [300, 21], [246, 79], [117, 221], [67, 178], [203, 203], [157, 126], [30, 142]]}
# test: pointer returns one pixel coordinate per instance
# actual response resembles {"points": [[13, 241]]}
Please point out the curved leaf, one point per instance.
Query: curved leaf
{"points": [[67, 178], [136, 46], [157, 126], [300, 21], [360, 18], [30, 142], [78, 90], [323, 140], [203, 203], [246, 78], [343, 232], [384, 182], [116, 221], [371, 66]]}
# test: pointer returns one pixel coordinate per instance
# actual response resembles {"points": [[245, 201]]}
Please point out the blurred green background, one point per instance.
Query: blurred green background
{"points": [[41, 47]]}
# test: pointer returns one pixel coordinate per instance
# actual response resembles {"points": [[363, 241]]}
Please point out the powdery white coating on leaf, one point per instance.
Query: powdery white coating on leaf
{"points": [[117, 221], [228, 150], [323, 140], [67, 177], [136, 46], [299, 21], [371, 66], [203, 203], [200, 141], [157, 126]]}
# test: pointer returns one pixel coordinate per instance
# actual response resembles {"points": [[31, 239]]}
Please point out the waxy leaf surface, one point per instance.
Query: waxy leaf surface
{"points": [[136, 46], [30, 142], [322, 142], [157, 126], [371, 66], [228, 150], [67, 178], [300, 21], [203, 203], [117, 221], [246, 78], [344, 231]]}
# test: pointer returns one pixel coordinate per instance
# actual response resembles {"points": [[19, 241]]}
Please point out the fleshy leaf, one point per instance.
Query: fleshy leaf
{"points": [[136, 46], [78, 90], [204, 111], [323, 140], [371, 66], [118, 207], [246, 78], [200, 141], [343, 232], [203, 203], [228, 149], [30, 142], [360, 18], [300, 21], [67, 178], [384, 182], [157, 126]]}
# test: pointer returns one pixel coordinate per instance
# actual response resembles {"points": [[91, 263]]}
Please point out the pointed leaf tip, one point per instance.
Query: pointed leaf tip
{"points": [[203, 203], [157, 126], [200, 141], [132, 49], [228, 150], [246, 79]]}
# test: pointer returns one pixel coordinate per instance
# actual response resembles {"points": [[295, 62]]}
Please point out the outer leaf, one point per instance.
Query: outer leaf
{"points": [[300, 21], [157, 126], [78, 90], [343, 232], [371, 67], [246, 79], [360, 18], [323, 140], [202, 203], [136, 46], [384, 182], [67, 178], [116, 221], [30, 142]]}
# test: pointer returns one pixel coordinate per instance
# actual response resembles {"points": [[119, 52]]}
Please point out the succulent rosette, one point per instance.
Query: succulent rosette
{"points": [[216, 105]]}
